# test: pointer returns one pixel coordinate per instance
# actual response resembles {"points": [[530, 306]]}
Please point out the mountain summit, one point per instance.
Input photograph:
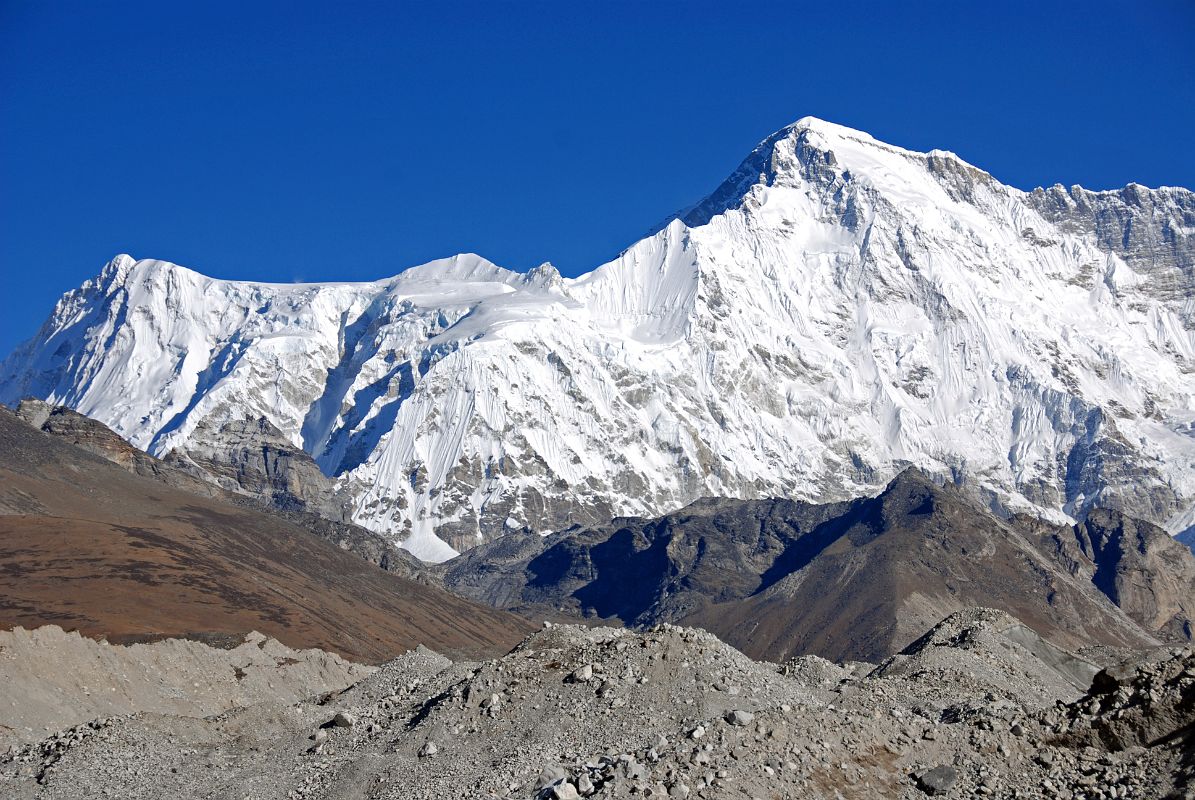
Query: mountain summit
{"points": [[836, 310]]}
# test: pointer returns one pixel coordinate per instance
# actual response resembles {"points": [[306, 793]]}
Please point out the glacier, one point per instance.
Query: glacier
{"points": [[838, 309]]}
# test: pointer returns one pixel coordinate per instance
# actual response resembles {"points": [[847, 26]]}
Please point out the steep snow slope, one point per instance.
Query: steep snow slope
{"points": [[837, 309]]}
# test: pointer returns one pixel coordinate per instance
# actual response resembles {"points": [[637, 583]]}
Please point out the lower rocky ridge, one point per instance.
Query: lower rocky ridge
{"points": [[91, 545], [247, 464], [979, 706], [859, 580]]}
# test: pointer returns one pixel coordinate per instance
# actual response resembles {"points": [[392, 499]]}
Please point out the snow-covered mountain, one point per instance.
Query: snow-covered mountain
{"points": [[837, 309]]}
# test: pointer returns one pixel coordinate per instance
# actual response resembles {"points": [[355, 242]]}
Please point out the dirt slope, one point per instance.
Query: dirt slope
{"points": [[87, 545]]}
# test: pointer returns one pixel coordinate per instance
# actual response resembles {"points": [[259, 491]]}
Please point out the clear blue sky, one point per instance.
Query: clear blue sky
{"points": [[293, 140]]}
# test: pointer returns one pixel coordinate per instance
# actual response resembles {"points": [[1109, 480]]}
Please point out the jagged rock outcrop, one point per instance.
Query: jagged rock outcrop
{"points": [[1141, 569], [96, 437], [252, 457], [1153, 230]]}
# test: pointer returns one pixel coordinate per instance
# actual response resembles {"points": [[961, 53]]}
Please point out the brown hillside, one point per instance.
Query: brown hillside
{"points": [[87, 545]]}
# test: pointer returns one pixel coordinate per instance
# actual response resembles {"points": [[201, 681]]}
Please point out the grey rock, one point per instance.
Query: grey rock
{"points": [[1151, 229], [253, 457], [564, 791], [740, 718], [550, 775], [937, 781]]}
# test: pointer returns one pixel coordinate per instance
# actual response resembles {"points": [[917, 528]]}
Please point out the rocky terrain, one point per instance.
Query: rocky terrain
{"points": [[1140, 568], [97, 438], [252, 457], [91, 546], [858, 580], [980, 706], [1152, 230], [50, 679], [1074, 697], [856, 479]]}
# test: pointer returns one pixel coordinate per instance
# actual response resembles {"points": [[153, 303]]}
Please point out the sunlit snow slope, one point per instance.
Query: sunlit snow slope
{"points": [[837, 309]]}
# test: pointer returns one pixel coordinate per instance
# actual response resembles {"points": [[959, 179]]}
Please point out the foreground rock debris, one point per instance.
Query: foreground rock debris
{"points": [[50, 679], [979, 706]]}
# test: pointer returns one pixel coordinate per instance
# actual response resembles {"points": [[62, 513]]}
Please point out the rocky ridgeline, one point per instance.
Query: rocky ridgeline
{"points": [[669, 712]]}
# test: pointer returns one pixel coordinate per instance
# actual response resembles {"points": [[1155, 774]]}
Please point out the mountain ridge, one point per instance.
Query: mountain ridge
{"points": [[842, 309]]}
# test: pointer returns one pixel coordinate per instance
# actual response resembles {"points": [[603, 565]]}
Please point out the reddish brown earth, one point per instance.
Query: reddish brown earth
{"points": [[86, 545]]}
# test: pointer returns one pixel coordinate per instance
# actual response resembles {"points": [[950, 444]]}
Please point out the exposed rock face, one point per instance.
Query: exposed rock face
{"points": [[780, 578], [837, 310], [254, 458], [1149, 575], [96, 437], [1153, 230]]}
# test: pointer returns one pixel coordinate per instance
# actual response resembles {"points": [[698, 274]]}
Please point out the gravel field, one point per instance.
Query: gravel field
{"points": [[979, 706]]}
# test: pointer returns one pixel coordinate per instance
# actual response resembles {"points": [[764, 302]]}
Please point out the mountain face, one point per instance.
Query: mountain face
{"points": [[857, 580], [838, 309]]}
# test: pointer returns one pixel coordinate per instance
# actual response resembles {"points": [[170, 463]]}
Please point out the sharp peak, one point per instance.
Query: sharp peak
{"points": [[821, 135], [118, 268], [810, 123], [815, 150]]}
